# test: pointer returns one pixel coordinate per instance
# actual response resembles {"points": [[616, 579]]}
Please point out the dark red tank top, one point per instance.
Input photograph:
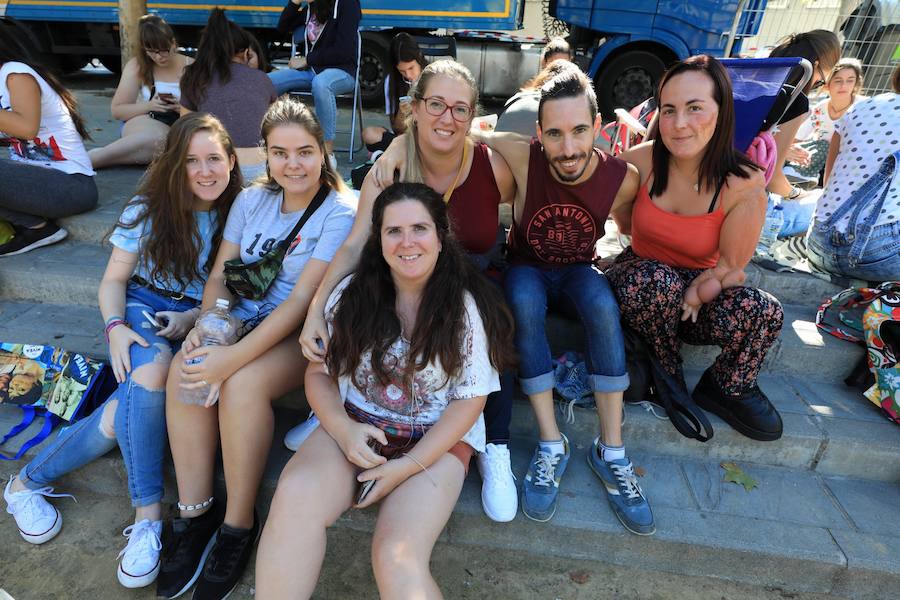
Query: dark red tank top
{"points": [[473, 206], [561, 223]]}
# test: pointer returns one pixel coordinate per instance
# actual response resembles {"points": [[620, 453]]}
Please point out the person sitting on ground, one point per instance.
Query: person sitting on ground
{"points": [[222, 83], [147, 97], [807, 155], [407, 62], [823, 50], [49, 174], [474, 182], [418, 338], [694, 226], [327, 66], [556, 48], [211, 545], [149, 296], [856, 229]]}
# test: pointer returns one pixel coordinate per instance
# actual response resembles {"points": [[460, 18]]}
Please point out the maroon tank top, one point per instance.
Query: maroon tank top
{"points": [[473, 205], [561, 223]]}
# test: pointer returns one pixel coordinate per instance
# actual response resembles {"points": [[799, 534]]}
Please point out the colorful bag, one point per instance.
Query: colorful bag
{"points": [[881, 324], [850, 304], [49, 382]]}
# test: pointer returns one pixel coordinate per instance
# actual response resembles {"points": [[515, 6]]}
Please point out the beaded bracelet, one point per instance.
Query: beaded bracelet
{"points": [[112, 324], [198, 506]]}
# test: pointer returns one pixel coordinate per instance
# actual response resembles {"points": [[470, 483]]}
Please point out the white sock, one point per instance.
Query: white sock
{"points": [[608, 453], [553, 447]]}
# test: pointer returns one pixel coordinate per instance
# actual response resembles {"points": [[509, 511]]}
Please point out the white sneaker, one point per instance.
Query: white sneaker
{"points": [[139, 564], [297, 435], [498, 489], [38, 520]]}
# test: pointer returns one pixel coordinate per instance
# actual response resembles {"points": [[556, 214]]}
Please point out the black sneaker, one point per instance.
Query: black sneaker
{"points": [[227, 561], [184, 552], [29, 239], [749, 412]]}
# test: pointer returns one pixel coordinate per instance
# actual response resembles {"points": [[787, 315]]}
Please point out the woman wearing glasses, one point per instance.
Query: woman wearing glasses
{"points": [[147, 97], [473, 182]]}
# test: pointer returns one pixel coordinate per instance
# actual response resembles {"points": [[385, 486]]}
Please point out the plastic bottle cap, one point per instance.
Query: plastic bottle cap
{"points": [[222, 303]]}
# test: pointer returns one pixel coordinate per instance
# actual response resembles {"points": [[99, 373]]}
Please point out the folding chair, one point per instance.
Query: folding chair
{"points": [[356, 112], [761, 96]]}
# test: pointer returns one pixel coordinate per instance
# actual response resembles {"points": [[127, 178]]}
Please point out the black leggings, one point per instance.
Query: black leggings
{"points": [[30, 195]]}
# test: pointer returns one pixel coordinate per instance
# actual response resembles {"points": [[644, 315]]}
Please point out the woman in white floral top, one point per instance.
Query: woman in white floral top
{"points": [[418, 338]]}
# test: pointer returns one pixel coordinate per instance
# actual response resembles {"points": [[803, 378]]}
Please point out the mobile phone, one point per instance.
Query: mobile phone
{"points": [[170, 98], [364, 488], [158, 323]]}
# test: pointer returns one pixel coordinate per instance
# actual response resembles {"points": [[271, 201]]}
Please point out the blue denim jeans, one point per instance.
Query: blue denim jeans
{"points": [[577, 291], [140, 422], [863, 250], [324, 86]]}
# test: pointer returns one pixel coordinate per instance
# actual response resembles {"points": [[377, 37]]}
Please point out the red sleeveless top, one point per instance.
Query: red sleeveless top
{"points": [[686, 241], [473, 206], [561, 223]]}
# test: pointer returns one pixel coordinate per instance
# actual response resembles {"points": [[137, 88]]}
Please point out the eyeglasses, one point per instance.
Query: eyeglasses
{"points": [[165, 52], [436, 107]]}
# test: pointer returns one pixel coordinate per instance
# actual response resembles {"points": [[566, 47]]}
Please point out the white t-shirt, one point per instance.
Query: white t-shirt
{"points": [[870, 132], [256, 224], [432, 392], [57, 144]]}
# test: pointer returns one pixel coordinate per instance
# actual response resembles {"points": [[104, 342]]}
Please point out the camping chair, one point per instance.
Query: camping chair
{"points": [[356, 111], [758, 85]]}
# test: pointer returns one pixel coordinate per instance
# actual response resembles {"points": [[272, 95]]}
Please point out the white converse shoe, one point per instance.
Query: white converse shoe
{"points": [[499, 497], [38, 520], [298, 434], [139, 564]]}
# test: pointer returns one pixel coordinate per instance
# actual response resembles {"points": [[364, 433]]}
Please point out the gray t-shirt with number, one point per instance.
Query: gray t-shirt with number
{"points": [[256, 223]]}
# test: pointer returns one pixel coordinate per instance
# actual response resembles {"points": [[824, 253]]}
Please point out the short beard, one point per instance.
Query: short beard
{"points": [[570, 178]]}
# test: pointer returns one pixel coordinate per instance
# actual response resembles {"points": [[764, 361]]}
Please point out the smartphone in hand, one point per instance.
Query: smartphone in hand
{"points": [[168, 98], [158, 322]]}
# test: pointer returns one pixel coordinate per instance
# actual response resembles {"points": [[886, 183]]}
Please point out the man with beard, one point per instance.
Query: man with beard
{"points": [[566, 190]]}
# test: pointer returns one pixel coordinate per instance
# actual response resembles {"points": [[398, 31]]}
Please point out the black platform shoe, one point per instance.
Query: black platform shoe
{"points": [[749, 412]]}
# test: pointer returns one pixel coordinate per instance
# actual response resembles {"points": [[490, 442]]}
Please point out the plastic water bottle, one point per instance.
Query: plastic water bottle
{"points": [[771, 228], [216, 328]]}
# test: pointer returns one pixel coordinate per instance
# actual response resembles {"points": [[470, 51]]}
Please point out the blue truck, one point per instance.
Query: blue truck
{"points": [[623, 44]]}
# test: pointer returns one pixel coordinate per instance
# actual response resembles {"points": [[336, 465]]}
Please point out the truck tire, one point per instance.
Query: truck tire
{"points": [[111, 62], [373, 68], [627, 80]]}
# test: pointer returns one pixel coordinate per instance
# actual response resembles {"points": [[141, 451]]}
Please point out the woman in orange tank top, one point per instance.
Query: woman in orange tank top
{"points": [[694, 226]]}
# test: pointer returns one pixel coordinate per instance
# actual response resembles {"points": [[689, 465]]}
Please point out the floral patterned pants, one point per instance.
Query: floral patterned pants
{"points": [[743, 321]]}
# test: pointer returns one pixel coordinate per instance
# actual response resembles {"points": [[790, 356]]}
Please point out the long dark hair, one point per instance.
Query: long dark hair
{"points": [[366, 317], [720, 157], [17, 45], [403, 49], [221, 40], [817, 45], [173, 248], [155, 34], [323, 10]]}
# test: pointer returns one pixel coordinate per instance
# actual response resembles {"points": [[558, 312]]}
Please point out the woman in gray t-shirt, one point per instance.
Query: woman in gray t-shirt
{"points": [[266, 362]]}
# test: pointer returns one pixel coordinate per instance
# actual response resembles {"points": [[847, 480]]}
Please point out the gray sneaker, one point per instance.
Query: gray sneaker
{"points": [[541, 486]]}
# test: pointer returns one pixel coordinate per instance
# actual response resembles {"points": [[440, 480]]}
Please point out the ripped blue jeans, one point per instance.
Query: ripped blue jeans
{"points": [[140, 420]]}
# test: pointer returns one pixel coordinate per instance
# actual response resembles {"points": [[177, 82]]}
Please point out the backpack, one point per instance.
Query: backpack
{"points": [[49, 383], [870, 317]]}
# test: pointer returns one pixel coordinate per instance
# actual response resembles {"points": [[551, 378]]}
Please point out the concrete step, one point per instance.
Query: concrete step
{"points": [[801, 349], [798, 531], [64, 274]]}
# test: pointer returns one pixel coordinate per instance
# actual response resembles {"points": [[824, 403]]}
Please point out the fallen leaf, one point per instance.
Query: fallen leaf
{"points": [[640, 471], [734, 474], [579, 577]]}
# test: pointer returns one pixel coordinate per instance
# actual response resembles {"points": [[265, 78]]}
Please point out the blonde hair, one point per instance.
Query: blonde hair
{"points": [[288, 111], [446, 68]]}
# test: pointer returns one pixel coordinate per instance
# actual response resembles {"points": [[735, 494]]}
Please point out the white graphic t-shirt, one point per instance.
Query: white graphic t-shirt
{"points": [[431, 390], [57, 144]]}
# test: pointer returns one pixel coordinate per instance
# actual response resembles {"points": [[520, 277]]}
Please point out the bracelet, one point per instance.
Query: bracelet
{"points": [[421, 466], [198, 506], [115, 318], [112, 325]]}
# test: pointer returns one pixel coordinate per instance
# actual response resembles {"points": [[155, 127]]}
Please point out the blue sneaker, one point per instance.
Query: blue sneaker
{"points": [[541, 485], [623, 492]]}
